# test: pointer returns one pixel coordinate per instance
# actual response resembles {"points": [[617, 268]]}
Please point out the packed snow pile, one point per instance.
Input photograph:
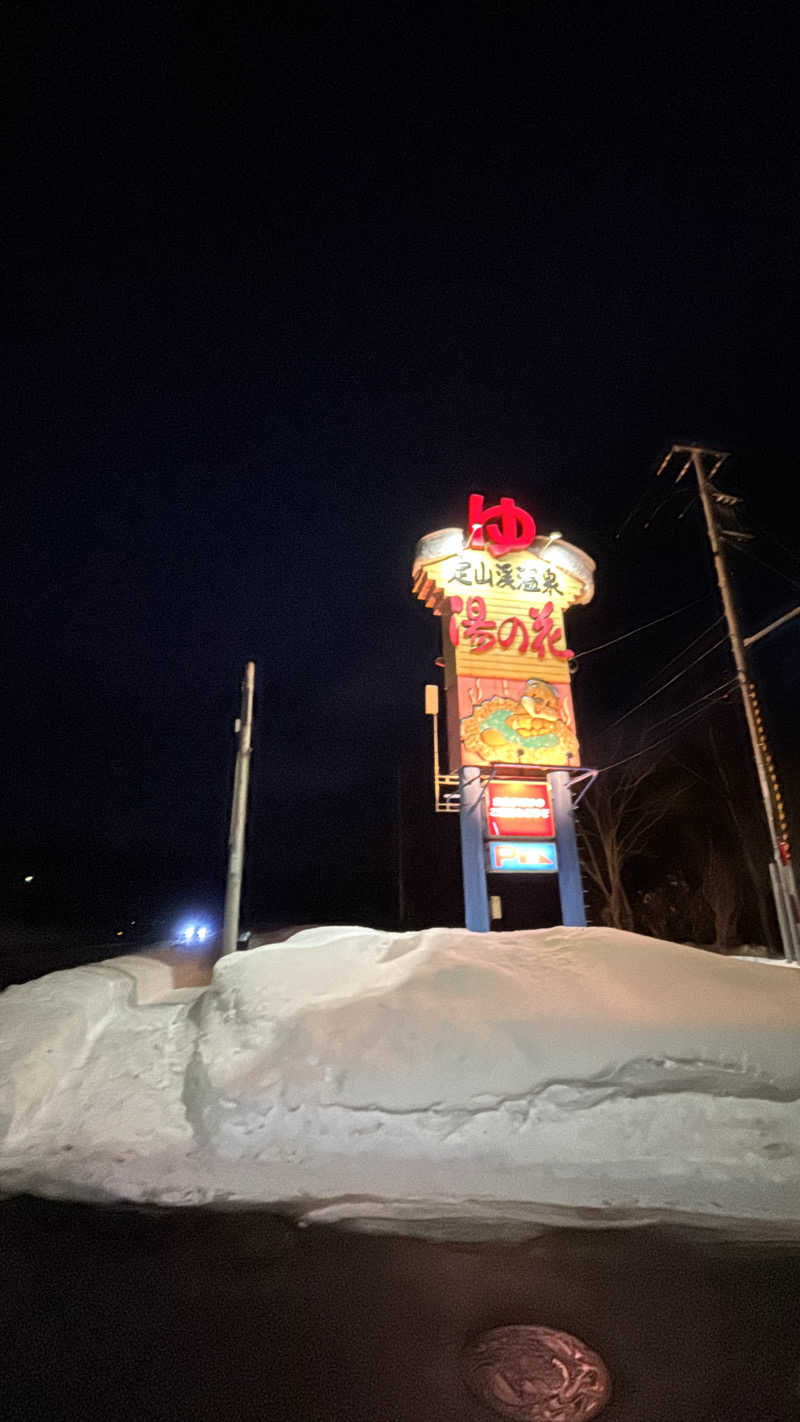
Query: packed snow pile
{"points": [[489, 1080]]}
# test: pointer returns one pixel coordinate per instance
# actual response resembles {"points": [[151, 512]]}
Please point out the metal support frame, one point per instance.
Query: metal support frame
{"points": [[570, 887], [771, 627], [473, 863], [467, 801], [447, 803]]}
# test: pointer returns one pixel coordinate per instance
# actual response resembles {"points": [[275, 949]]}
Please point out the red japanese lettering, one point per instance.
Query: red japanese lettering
{"points": [[545, 634], [456, 606], [508, 631], [512, 526], [477, 627]]}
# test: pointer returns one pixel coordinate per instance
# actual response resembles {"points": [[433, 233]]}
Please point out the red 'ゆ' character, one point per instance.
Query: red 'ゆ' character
{"points": [[510, 526]]}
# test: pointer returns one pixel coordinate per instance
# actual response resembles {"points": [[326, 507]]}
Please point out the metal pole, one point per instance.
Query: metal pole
{"points": [[401, 884], [473, 864], [783, 910], [779, 621], [432, 710], [435, 719], [570, 887], [780, 904], [233, 887], [789, 886]]}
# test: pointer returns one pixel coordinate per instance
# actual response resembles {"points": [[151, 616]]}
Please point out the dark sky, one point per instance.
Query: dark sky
{"points": [[283, 289]]}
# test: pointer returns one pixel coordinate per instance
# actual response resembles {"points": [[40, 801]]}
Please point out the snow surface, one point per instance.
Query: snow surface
{"points": [[432, 1081]]}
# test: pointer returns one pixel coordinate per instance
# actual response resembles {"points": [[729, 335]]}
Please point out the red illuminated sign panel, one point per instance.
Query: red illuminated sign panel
{"points": [[510, 526], [519, 807]]}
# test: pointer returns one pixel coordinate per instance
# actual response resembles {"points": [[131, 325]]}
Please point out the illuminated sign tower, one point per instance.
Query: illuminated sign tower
{"points": [[501, 592]]}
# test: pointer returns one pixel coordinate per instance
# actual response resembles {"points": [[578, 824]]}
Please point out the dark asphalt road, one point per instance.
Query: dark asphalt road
{"points": [[192, 1314]]}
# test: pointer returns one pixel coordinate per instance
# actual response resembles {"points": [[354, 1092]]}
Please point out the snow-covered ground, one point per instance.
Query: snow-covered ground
{"points": [[440, 1081]]}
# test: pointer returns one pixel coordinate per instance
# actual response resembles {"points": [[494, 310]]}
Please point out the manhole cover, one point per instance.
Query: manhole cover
{"points": [[536, 1374]]}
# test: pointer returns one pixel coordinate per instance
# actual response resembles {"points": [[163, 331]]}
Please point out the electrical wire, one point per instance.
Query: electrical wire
{"points": [[672, 679], [651, 492], [643, 497], [766, 536], [602, 646], [663, 740], [741, 548], [687, 648], [650, 520], [724, 687], [787, 552]]}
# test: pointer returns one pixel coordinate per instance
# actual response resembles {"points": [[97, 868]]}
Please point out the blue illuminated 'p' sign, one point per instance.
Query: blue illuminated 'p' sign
{"points": [[521, 856]]}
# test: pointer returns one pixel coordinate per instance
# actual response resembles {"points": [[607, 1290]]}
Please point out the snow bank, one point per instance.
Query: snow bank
{"points": [[580, 1074], [82, 1064]]}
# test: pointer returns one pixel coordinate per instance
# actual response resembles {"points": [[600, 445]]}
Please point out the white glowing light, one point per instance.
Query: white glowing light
{"points": [[28, 878], [192, 933]]}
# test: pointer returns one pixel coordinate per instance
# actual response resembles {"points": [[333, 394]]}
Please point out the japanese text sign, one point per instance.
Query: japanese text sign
{"points": [[501, 592], [519, 807]]}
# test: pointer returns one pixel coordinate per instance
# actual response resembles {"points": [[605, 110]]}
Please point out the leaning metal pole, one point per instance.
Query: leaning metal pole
{"points": [[233, 887], [783, 906]]}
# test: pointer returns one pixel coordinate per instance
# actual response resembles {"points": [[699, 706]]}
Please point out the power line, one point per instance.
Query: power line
{"points": [[768, 537], [648, 493], [668, 737], [672, 679], [787, 552], [740, 548], [688, 647], [644, 628], [648, 523], [724, 686]]}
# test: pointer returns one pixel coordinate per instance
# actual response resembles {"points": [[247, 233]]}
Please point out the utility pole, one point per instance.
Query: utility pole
{"points": [[781, 873], [233, 887]]}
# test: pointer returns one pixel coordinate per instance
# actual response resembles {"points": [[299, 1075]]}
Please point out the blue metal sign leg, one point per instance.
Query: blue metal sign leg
{"points": [[473, 865], [570, 887]]}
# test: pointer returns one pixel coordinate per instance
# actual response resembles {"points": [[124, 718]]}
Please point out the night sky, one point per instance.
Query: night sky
{"points": [[284, 288]]}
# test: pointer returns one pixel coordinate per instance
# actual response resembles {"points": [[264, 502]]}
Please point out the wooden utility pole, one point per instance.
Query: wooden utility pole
{"points": [[781, 872], [233, 887]]}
